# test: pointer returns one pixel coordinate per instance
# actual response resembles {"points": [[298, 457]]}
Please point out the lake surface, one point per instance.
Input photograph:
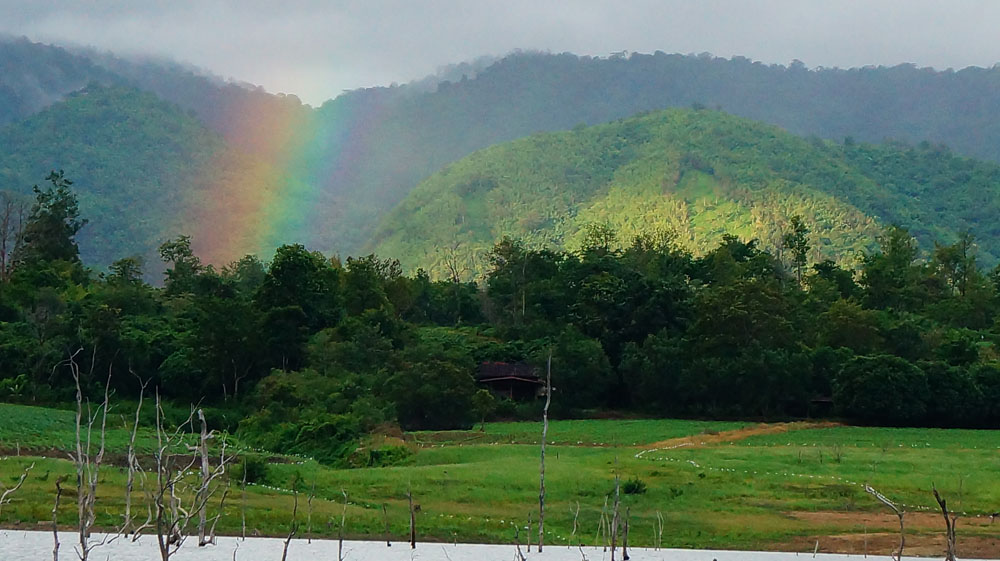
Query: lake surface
{"points": [[19, 545]]}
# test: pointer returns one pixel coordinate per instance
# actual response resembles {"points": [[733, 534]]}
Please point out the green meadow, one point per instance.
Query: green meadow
{"points": [[729, 485]]}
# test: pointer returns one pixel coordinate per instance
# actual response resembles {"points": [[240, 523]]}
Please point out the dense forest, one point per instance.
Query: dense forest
{"points": [[700, 174], [306, 353], [348, 163]]}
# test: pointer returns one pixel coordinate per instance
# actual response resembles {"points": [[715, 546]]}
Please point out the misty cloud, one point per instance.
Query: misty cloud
{"points": [[315, 49]]}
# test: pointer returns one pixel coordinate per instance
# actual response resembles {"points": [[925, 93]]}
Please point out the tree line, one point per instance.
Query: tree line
{"points": [[306, 353]]}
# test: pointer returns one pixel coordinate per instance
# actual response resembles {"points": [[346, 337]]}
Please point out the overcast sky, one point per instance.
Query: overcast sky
{"points": [[317, 48]]}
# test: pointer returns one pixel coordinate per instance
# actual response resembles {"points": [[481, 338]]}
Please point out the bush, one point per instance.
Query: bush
{"points": [[882, 389], [382, 456], [634, 486], [254, 467]]}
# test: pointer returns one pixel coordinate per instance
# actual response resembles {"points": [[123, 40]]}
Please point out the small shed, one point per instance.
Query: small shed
{"points": [[513, 380]]}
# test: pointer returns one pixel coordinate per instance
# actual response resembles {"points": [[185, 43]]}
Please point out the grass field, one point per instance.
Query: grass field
{"points": [[721, 485]]}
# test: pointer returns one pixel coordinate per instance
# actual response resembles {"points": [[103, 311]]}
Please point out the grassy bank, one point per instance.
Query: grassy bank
{"points": [[720, 485]]}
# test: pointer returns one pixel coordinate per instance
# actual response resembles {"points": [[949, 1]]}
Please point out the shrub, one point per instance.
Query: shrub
{"points": [[634, 486], [254, 467]]}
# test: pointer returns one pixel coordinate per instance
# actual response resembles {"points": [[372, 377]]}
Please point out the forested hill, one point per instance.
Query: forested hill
{"points": [[345, 165], [695, 174], [405, 138], [144, 169]]}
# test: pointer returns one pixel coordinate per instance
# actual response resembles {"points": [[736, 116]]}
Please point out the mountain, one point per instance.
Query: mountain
{"points": [[696, 174], [328, 176], [144, 171], [34, 76], [398, 140]]}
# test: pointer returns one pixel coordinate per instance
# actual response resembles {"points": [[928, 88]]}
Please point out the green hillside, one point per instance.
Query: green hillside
{"points": [[696, 174], [143, 167]]}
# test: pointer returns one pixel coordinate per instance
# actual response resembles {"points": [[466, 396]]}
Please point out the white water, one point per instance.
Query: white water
{"points": [[19, 545]]}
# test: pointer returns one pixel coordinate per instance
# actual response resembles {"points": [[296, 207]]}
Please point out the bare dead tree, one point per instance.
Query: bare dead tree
{"points": [[898, 554], [243, 505], [615, 518], [340, 534], [541, 475], [576, 518], [659, 530], [309, 512], [206, 478], [55, 518], [413, 519], [628, 515], [131, 460], [385, 518], [602, 525], [218, 515], [950, 518], [294, 529], [528, 528], [6, 495], [88, 467], [518, 556], [172, 501]]}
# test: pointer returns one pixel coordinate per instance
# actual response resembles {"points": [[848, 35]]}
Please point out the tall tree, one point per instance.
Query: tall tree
{"points": [[796, 242], [53, 223]]}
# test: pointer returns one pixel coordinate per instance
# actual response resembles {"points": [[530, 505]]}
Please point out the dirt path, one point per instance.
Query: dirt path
{"points": [[711, 438]]}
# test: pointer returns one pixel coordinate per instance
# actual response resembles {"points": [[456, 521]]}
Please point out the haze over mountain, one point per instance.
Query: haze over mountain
{"points": [[280, 171]]}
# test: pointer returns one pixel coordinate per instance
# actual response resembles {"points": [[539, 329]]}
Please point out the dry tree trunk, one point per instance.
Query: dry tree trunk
{"points": [[295, 527], [340, 534], [309, 512], [628, 514], [243, 506], [899, 514], [541, 477], [950, 518], [215, 520], [172, 513], [601, 525], [87, 468], [131, 460], [659, 530], [55, 518], [529, 532], [615, 519], [206, 478], [517, 543], [576, 517], [385, 518], [413, 520]]}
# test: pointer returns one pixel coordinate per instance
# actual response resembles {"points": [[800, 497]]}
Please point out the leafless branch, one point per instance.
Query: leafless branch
{"points": [[5, 496], [898, 554], [950, 518]]}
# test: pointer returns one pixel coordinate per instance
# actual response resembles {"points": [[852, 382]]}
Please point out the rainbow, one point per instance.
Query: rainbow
{"points": [[278, 180]]}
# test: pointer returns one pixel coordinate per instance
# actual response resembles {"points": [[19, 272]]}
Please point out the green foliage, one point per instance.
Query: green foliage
{"points": [[251, 469], [53, 223], [633, 486], [882, 389]]}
